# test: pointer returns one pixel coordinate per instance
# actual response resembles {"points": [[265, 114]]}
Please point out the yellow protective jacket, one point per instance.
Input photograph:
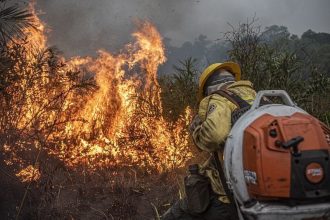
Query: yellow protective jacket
{"points": [[215, 113]]}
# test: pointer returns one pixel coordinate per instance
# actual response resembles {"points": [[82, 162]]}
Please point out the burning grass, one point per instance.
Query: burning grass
{"points": [[92, 112], [67, 125]]}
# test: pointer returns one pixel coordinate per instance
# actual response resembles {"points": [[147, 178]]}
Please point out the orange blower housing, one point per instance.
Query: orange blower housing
{"points": [[287, 157]]}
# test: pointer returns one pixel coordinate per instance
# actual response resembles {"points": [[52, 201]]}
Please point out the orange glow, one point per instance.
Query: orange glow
{"points": [[120, 123], [29, 174]]}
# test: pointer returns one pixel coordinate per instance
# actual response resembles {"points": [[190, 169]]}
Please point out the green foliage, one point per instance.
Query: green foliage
{"points": [[274, 60], [316, 48], [271, 59], [179, 89]]}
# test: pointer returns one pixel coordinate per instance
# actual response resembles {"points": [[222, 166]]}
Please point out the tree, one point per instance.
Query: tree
{"points": [[282, 64], [179, 90], [274, 33], [247, 50]]}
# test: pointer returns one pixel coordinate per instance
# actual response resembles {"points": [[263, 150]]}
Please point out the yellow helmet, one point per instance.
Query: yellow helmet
{"points": [[229, 66]]}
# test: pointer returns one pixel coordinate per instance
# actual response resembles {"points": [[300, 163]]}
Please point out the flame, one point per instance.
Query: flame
{"points": [[29, 174], [37, 37], [121, 122]]}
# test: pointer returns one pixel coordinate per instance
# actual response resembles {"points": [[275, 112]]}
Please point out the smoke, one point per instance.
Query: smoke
{"points": [[80, 27]]}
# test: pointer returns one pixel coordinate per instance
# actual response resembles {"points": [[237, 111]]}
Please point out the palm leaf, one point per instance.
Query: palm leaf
{"points": [[13, 21]]}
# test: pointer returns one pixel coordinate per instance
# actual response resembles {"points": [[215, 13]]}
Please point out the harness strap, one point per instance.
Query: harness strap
{"points": [[235, 99], [223, 180], [241, 105]]}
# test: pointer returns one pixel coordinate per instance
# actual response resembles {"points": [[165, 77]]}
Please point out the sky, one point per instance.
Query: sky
{"points": [[79, 27]]}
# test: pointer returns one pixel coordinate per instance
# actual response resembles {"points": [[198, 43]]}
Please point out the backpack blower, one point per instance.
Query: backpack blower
{"points": [[276, 162]]}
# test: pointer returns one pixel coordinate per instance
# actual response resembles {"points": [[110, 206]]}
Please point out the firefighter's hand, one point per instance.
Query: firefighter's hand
{"points": [[195, 122]]}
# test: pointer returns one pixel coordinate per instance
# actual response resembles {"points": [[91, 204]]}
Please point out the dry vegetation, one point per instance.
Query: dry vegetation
{"points": [[100, 138], [85, 138]]}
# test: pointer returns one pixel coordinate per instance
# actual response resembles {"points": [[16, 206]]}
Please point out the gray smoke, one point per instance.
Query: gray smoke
{"points": [[83, 26], [80, 27]]}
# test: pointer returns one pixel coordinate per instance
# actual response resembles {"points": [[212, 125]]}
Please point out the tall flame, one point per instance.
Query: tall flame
{"points": [[121, 122]]}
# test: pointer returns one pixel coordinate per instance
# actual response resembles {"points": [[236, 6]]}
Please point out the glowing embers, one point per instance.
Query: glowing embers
{"points": [[29, 174], [118, 123]]}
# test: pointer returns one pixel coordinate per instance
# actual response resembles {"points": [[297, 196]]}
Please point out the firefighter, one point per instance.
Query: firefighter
{"points": [[209, 129]]}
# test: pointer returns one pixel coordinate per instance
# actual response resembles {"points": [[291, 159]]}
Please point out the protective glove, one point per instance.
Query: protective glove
{"points": [[195, 122]]}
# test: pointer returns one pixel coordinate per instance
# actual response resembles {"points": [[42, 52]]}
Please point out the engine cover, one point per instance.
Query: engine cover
{"points": [[286, 157], [276, 162]]}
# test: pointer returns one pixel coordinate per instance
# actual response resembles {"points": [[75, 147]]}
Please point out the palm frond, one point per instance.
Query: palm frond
{"points": [[13, 21]]}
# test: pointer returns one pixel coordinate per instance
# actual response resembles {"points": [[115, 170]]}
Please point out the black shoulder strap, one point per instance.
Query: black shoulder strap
{"points": [[233, 207], [241, 104], [235, 99]]}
